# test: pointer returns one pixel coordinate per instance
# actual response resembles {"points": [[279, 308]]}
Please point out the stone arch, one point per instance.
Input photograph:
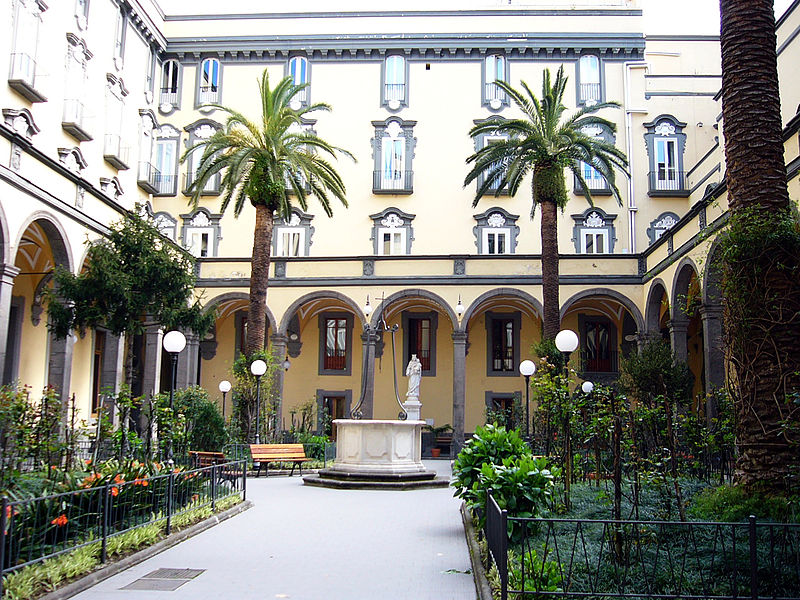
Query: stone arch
{"points": [[217, 300], [5, 251], [712, 276], [435, 298], [513, 292], [321, 294], [680, 287], [621, 298], [56, 236], [653, 306]]}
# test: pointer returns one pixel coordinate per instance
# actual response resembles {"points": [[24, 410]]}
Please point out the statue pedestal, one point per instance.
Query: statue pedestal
{"points": [[376, 454], [413, 407]]}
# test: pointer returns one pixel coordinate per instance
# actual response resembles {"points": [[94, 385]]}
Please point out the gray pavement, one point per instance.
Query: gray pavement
{"points": [[309, 543]]}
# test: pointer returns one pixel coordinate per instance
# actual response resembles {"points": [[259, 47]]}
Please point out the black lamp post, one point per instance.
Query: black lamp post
{"points": [[258, 368], [224, 387], [526, 369], [174, 342]]}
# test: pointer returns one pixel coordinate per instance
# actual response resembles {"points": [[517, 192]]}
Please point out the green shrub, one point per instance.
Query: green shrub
{"points": [[490, 445], [540, 576], [733, 504]]}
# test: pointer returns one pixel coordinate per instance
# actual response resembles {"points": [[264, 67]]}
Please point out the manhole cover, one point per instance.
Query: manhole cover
{"points": [[173, 574], [155, 585]]}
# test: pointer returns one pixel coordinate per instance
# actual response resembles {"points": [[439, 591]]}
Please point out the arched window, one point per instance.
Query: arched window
{"points": [[394, 82], [589, 88], [494, 69], [170, 85], [209, 90], [298, 70]]}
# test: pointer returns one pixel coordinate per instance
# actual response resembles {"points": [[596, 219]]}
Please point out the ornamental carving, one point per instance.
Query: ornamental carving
{"points": [[167, 131], [200, 220], [294, 221], [594, 220], [165, 225], [204, 132], [496, 220], [666, 222], [592, 130], [392, 220], [665, 128]]}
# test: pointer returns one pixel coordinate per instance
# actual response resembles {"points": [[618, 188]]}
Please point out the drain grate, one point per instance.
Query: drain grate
{"points": [[173, 574], [163, 580]]}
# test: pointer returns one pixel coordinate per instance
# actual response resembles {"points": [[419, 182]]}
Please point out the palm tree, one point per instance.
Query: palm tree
{"points": [[544, 143], [760, 253], [267, 162]]}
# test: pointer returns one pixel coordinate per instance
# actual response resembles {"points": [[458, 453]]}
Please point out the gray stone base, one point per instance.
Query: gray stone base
{"points": [[375, 481]]}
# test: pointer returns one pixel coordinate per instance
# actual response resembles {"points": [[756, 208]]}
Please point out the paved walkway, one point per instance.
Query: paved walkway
{"points": [[309, 543]]}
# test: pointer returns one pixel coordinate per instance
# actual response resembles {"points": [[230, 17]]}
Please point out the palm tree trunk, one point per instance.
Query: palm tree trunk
{"points": [[259, 279], [762, 277], [551, 317]]}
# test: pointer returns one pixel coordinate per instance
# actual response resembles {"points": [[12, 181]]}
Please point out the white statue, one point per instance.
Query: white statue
{"points": [[414, 374]]}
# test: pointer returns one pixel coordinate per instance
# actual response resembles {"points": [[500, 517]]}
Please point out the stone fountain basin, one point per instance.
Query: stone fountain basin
{"points": [[378, 446]]}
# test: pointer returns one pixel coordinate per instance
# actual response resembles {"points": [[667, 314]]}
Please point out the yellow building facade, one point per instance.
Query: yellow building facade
{"points": [[104, 96]]}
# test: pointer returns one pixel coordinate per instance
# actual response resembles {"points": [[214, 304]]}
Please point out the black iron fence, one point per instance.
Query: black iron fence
{"points": [[577, 558], [34, 529]]}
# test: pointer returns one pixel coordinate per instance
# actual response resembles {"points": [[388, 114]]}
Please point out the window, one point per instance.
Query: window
{"points": [[209, 90], [298, 70], [119, 38], [336, 331], [589, 80], [665, 143], [201, 233], [394, 94], [596, 183], [114, 152], [481, 142], [393, 152], [293, 237], [496, 232], [198, 131], [74, 116], [494, 69], [594, 232], [663, 223], [391, 232], [165, 160], [24, 75], [165, 224], [82, 13], [170, 86], [150, 74], [598, 345], [419, 329], [502, 343]]}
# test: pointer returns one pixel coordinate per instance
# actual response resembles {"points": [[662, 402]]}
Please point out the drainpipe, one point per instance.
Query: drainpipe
{"points": [[629, 111]]}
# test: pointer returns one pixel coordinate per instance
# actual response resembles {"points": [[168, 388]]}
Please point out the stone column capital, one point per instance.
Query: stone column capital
{"points": [[679, 326], [279, 339], [460, 337], [710, 312], [8, 273]]}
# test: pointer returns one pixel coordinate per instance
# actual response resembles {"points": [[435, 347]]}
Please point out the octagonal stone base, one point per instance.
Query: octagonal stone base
{"points": [[376, 446]]}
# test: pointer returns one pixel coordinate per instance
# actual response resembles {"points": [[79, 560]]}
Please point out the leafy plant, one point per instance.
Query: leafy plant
{"points": [[540, 575]]}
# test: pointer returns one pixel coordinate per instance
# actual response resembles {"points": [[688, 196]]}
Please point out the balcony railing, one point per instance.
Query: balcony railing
{"points": [[596, 185], [25, 78], [335, 360], [74, 120], [114, 152], [209, 94], [667, 182], [493, 94], [211, 186], [394, 91], [166, 184], [168, 96], [148, 177], [392, 182], [589, 92], [600, 361]]}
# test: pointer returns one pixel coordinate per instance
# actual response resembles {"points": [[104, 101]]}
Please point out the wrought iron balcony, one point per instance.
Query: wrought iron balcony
{"points": [[148, 177], [25, 77], [597, 185], [589, 93], [392, 182], [495, 96], [209, 94], [211, 188], [168, 96], [74, 119], [394, 92], [667, 182], [114, 152]]}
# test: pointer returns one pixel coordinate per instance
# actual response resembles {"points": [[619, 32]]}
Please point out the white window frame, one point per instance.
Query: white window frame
{"points": [[209, 78], [299, 77], [497, 233], [170, 92], [495, 68], [394, 84], [593, 234], [666, 165], [492, 139], [165, 156], [589, 75], [397, 241], [194, 237], [119, 38], [287, 251], [392, 174]]}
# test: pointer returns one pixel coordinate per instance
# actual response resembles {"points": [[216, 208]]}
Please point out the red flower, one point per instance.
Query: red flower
{"points": [[60, 520], [114, 491]]}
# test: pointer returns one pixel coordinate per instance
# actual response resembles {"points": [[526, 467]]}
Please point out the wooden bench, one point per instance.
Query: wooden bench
{"points": [[206, 459], [263, 454]]}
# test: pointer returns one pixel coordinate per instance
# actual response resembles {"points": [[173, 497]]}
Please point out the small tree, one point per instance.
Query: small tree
{"points": [[132, 273]]}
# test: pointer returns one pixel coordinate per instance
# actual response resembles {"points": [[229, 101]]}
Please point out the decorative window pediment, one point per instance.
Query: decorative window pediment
{"points": [[72, 158], [393, 154], [21, 121], [293, 237], [496, 232], [111, 187], [201, 232], [663, 223], [665, 143], [594, 232], [166, 224]]}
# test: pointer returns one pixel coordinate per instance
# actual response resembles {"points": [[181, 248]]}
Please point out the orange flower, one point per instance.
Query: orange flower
{"points": [[114, 491], [119, 478], [195, 498], [145, 483], [88, 461], [60, 520], [176, 470]]}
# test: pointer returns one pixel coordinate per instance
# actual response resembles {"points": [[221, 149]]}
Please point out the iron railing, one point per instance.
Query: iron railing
{"points": [[169, 96], [209, 94], [114, 152], [589, 92], [35, 529], [667, 179], [393, 181], [211, 186], [578, 558], [492, 92], [394, 91]]}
